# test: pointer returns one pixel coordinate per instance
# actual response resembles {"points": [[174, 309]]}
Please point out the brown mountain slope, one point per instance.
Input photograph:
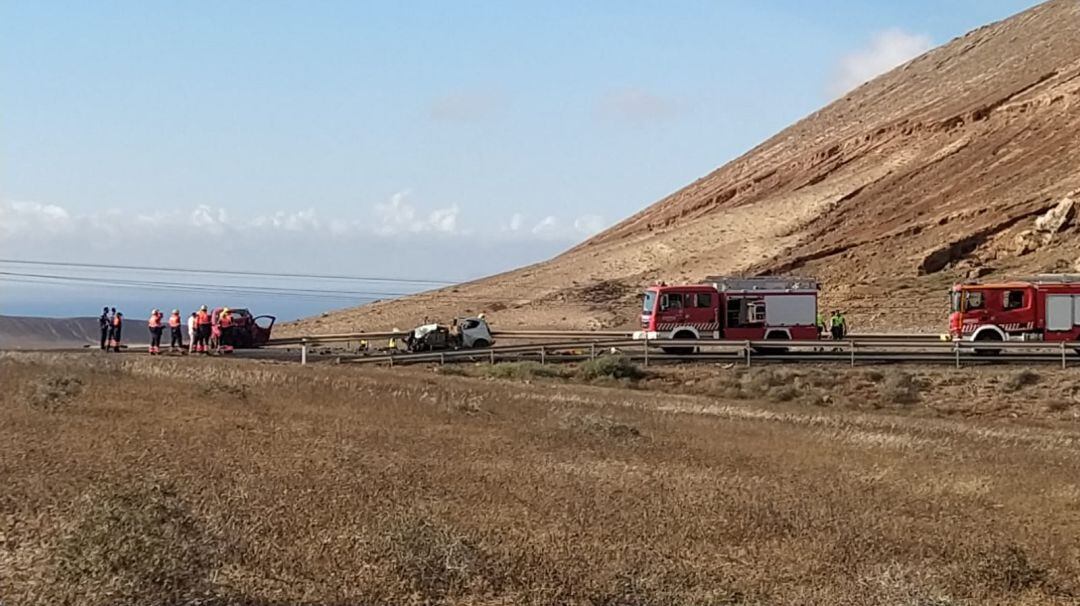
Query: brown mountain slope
{"points": [[17, 332], [912, 181]]}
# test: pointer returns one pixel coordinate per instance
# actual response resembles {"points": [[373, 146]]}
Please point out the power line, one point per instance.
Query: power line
{"points": [[229, 272], [73, 281], [210, 287], [345, 296]]}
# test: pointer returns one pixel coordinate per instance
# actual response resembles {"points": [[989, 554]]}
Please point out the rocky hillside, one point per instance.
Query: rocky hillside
{"points": [[931, 173]]}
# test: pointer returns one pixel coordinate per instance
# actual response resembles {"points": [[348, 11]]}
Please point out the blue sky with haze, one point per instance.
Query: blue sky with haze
{"points": [[407, 139]]}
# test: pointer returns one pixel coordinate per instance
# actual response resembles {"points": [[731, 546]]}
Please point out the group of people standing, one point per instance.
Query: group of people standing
{"points": [[112, 325], [200, 326], [836, 325]]}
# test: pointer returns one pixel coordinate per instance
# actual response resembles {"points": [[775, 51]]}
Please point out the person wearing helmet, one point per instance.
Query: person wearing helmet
{"points": [[225, 323], [176, 336], [154, 324], [202, 322]]}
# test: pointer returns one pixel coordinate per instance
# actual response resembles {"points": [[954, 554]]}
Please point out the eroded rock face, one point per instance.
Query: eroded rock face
{"points": [[1026, 242], [1055, 220]]}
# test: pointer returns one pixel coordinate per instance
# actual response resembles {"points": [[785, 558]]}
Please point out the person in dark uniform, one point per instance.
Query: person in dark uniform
{"points": [[105, 323]]}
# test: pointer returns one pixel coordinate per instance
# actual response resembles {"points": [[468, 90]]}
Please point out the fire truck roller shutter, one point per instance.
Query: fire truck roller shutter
{"points": [[790, 310], [1059, 312]]}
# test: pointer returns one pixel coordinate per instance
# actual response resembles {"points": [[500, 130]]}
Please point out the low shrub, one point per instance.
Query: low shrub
{"points": [[758, 382], [1020, 380], [783, 393], [135, 543], [1059, 405], [1011, 571], [53, 391], [899, 387], [522, 370], [236, 391], [611, 367], [436, 560], [598, 425]]}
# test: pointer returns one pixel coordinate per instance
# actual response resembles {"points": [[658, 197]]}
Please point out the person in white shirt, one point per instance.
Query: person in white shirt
{"points": [[191, 332]]}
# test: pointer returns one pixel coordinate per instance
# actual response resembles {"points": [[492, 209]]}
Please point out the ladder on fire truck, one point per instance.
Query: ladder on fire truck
{"points": [[763, 283], [1052, 279]]}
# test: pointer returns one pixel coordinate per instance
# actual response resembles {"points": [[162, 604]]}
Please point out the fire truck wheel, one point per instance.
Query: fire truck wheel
{"points": [[774, 335], [987, 337], [681, 351]]}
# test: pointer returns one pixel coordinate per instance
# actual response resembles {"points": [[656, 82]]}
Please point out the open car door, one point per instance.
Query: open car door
{"points": [[260, 330]]}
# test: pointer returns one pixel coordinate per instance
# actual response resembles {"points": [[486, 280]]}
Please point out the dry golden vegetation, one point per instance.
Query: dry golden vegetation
{"points": [[133, 480]]}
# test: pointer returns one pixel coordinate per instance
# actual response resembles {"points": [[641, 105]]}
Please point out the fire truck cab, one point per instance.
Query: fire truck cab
{"points": [[754, 309], [1043, 308]]}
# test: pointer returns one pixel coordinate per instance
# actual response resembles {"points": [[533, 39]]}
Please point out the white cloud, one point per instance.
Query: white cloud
{"points": [[47, 226], [553, 228], [887, 49], [212, 220], [17, 217], [589, 224], [398, 215], [444, 219], [304, 220], [637, 105], [466, 106], [548, 226]]}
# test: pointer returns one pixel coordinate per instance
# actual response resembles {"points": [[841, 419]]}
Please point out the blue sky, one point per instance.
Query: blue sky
{"points": [[409, 139]]}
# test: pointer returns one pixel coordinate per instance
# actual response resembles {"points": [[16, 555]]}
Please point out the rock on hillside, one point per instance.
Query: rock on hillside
{"points": [[923, 176]]}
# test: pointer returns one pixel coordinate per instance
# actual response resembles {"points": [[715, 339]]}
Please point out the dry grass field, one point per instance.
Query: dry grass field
{"points": [[133, 480]]}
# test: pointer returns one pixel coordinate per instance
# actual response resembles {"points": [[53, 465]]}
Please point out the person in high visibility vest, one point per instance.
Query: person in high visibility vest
{"points": [[202, 326], [154, 324], [837, 325], [176, 335], [225, 323], [117, 331]]}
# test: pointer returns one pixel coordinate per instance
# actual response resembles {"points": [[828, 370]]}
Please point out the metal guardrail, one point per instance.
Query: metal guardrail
{"points": [[546, 334], [705, 349]]}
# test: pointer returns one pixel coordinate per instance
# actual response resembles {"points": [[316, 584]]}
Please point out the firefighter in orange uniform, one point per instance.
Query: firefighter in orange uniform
{"points": [[176, 336], [202, 330], [154, 324], [225, 323], [117, 329]]}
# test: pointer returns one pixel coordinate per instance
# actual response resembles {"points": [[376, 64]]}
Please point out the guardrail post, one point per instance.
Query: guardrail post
{"points": [[645, 349], [1063, 355], [492, 355], [542, 356], [442, 359], [303, 352], [851, 347], [747, 349], [956, 351], [391, 356], [592, 351]]}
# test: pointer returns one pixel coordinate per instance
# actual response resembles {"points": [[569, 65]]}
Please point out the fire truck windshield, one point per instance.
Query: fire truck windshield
{"points": [[650, 302]]}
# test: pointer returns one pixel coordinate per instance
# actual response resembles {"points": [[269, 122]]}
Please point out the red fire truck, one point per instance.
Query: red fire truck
{"points": [[755, 309], [1043, 308]]}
